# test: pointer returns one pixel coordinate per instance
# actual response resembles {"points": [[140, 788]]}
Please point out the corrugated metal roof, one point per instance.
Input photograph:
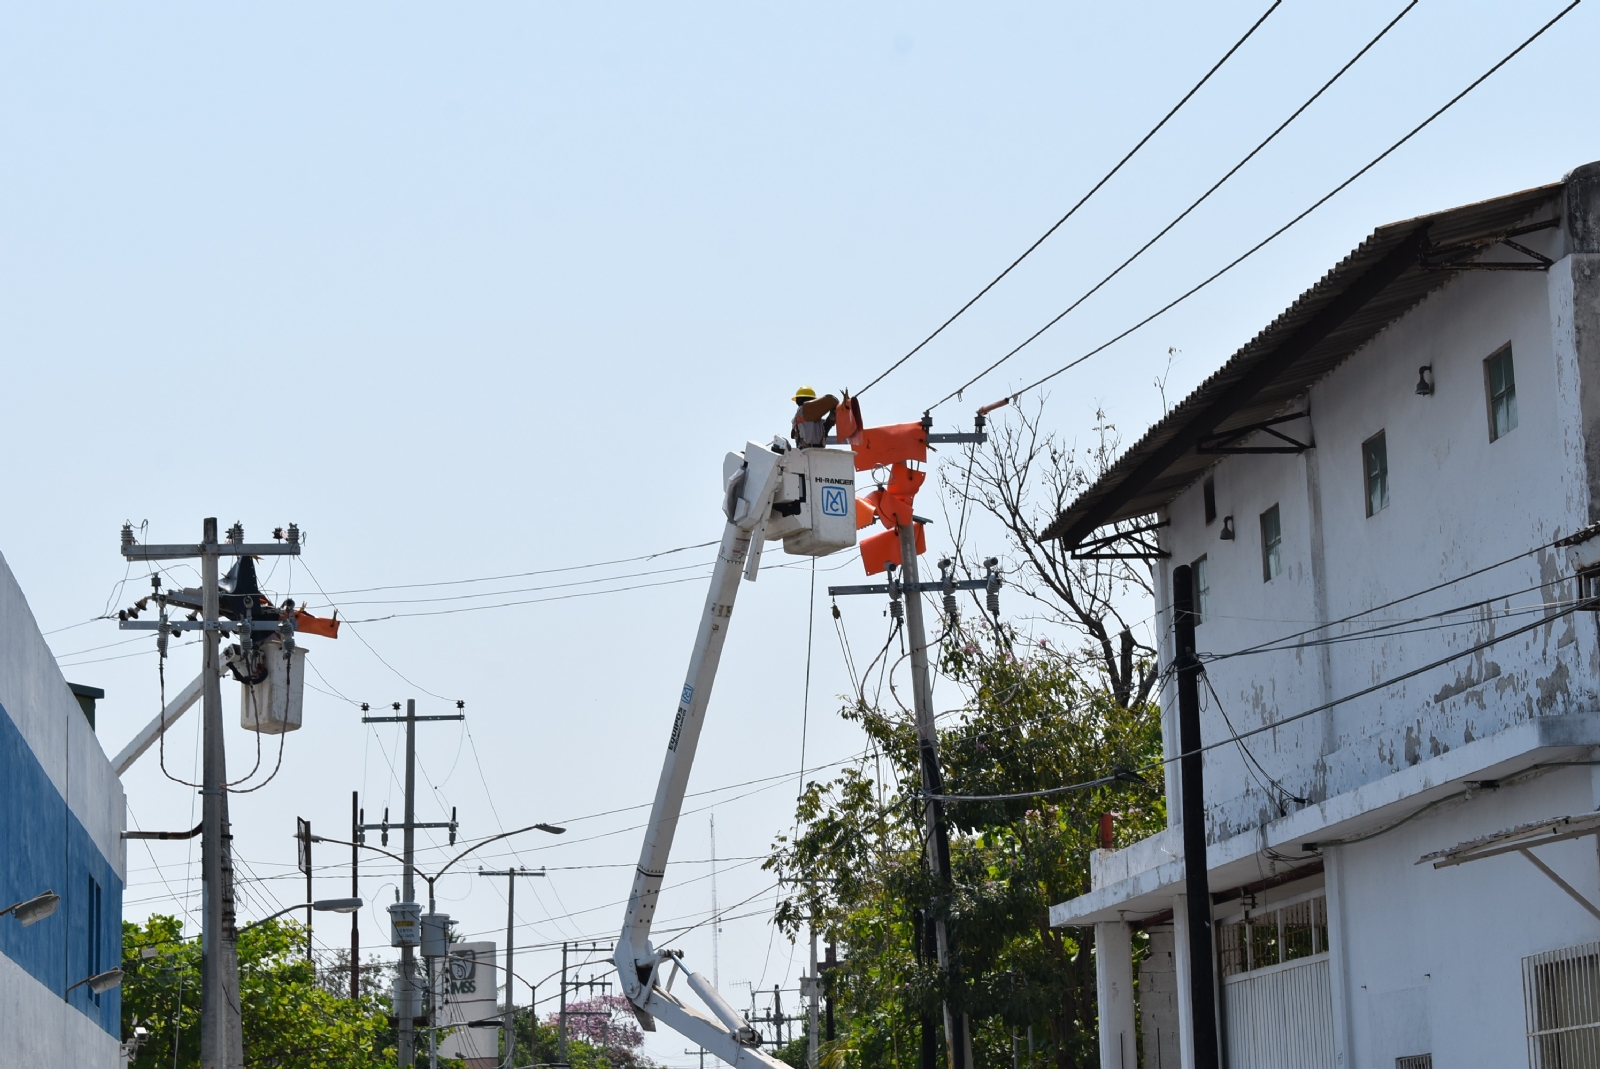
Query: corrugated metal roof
{"points": [[1377, 283]]}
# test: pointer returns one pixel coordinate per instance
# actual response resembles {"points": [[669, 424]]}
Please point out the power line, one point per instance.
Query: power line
{"points": [[1292, 222], [1218, 184], [523, 575], [1081, 201]]}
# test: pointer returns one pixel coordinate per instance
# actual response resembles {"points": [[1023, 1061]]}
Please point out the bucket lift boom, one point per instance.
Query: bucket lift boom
{"points": [[806, 497]]}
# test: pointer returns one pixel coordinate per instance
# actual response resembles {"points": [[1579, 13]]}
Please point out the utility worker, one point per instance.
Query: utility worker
{"points": [[813, 418]]}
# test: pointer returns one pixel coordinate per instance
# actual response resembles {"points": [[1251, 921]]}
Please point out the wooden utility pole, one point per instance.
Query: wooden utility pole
{"points": [[1197, 884]]}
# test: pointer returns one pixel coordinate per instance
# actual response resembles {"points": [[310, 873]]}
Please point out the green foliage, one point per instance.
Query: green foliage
{"points": [[290, 1019], [1030, 723]]}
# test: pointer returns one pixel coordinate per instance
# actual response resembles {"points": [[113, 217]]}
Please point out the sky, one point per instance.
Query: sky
{"points": [[473, 292]]}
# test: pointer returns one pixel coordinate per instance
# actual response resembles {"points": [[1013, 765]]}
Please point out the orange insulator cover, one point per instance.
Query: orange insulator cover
{"points": [[884, 548], [306, 624], [877, 447], [847, 419], [867, 509]]}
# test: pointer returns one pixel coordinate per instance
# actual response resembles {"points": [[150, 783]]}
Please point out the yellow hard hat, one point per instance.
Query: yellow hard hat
{"points": [[805, 393]]}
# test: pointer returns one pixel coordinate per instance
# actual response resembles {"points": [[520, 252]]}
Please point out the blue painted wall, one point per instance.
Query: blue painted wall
{"points": [[43, 846]]}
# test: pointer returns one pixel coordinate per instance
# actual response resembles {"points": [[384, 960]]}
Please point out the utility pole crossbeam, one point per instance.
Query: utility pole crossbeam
{"points": [[1197, 884], [509, 1028]]}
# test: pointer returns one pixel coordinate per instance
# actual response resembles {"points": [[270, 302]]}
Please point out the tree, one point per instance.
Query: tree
{"points": [[1025, 479], [601, 1034], [290, 1019], [1030, 722]]}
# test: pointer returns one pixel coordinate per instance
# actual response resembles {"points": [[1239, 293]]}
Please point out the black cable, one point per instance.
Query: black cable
{"points": [[1396, 601], [1142, 249], [523, 575], [1081, 201], [1251, 757], [1315, 205]]}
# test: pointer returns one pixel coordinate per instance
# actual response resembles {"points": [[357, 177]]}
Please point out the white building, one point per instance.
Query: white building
{"points": [[1409, 724], [61, 820]]}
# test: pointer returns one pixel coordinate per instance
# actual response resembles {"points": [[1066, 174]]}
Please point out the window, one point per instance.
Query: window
{"points": [[1209, 491], [1375, 462], [1271, 545], [1270, 937], [95, 964], [1202, 591], [1501, 381], [1561, 996]]}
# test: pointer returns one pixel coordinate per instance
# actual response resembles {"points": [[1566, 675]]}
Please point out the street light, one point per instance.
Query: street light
{"points": [[35, 909], [321, 905], [99, 983]]}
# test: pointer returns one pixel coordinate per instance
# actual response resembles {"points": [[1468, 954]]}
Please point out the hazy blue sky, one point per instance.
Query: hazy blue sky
{"points": [[477, 290]]}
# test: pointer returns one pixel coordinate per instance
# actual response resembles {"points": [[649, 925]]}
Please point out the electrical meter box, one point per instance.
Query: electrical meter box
{"points": [[274, 705], [405, 924], [814, 510], [436, 935]]}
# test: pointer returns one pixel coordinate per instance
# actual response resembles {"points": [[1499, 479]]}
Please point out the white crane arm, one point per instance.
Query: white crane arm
{"points": [[816, 515]]}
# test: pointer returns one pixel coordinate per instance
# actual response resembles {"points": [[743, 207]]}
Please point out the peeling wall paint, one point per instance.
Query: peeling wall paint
{"points": [[1458, 504]]}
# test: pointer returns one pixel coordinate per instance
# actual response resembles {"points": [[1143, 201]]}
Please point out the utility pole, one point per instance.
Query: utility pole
{"points": [[933, 921], [355, 892], [716, 918], [221, 1026], [408, 891], [813, 989], [302, 834], [511, 898], [932, 785], [591, 984], [1197, 884]]}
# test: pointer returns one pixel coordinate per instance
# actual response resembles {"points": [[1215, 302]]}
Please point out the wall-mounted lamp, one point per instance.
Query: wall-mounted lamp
{"points": [[33, 910], [1425, 380], [99, 983], [1227, 529]]}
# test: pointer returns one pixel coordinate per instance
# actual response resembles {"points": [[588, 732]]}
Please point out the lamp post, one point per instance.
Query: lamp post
{"points": [[322, 905]]}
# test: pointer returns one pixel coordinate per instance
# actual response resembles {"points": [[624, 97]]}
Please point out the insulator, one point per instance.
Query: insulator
{"points": [[992, 603], [950, 611], [127, 534], [897, 610], [236, 533], [294, 534]]}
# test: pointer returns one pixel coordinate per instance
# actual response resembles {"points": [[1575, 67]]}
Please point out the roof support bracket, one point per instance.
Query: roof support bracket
{"points": [[1124, 545], [1228, 442], [1559, 882], [1458, 256]]}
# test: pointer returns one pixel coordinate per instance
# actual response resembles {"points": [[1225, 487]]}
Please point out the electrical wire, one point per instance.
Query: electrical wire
{"points": [[1081, 201], [1264, 242], [1142, 249]]}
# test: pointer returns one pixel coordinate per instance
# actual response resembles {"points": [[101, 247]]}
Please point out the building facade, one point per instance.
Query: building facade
{"points": [[1384, 501], [61, 821]]}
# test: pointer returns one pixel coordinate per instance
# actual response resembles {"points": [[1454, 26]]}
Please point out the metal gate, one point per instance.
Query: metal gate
{"points": [[1280, 1015]]}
